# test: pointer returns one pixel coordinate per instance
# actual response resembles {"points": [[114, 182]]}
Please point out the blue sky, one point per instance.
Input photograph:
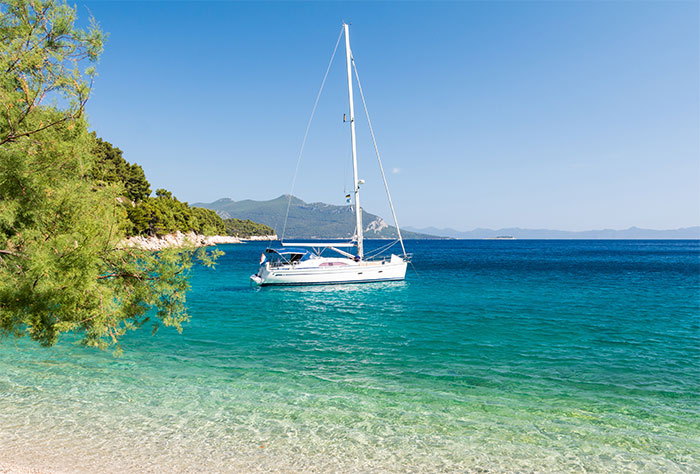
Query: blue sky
{"points": [[567, 115]]}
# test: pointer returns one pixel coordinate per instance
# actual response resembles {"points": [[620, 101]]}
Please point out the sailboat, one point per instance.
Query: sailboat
{"points": [[305, 263]]}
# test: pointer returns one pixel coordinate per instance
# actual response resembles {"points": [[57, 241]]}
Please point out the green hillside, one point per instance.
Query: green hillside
{"points": [[147, 215], [306, 220], [245, 228]]}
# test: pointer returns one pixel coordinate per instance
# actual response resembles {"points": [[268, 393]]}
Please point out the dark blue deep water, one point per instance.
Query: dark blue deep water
{"points": [[492, 356]]}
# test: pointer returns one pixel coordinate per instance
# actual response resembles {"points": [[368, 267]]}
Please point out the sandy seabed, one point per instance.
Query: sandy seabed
{"points": [[15, 469]]}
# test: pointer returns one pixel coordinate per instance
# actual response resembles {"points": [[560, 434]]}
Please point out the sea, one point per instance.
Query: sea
{"points": [[493, 356]]}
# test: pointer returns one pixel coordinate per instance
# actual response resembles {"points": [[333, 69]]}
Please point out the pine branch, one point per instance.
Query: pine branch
{"points": [[10, 252]]}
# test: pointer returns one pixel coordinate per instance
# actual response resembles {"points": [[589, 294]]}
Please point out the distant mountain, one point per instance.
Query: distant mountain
{"points": [[631, 233], [307, 220]]}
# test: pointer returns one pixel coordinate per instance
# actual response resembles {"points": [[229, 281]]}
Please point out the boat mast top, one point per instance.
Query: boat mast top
{"points": [[355, 180]]}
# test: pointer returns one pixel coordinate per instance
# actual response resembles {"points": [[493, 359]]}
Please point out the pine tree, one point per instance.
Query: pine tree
{"points": [[62, 265]]}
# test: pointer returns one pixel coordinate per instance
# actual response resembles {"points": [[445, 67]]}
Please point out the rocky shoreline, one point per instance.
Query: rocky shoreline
{"points": [[178, 239]]}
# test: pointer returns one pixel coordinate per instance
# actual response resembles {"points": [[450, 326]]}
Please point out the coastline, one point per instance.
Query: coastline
{"points": [[178, 239], [386, 385]]}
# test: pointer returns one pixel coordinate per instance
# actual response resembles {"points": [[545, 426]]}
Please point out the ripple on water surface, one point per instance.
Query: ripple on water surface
{"points": [[495, 357]]}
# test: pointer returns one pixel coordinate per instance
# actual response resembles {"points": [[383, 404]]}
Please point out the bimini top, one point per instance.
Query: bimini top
{"points": [[291, 254]]}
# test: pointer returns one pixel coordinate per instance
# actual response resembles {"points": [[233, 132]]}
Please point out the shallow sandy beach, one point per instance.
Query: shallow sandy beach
{"points": [[15, 469]]}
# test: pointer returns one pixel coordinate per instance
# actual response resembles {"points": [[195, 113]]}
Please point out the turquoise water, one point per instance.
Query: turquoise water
{"points": [[493, 356]]}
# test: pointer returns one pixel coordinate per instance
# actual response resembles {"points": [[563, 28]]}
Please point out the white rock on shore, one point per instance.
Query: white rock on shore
{"points": [[178, 239], [261, 237]]}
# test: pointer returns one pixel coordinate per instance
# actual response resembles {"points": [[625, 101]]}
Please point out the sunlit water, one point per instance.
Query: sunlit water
{"points": [[492, 356]]}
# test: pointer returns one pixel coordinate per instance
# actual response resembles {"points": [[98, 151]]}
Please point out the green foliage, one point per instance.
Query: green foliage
{"points": [[111, 168], [244, 228], [161, 215], [165, 214], [62, 221], [208, 222], [41, 55]]}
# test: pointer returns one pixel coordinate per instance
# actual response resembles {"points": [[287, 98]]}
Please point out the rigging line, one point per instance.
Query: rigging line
{"points": [[414, 269], [376, 150], [306, 134], [382, 249]]}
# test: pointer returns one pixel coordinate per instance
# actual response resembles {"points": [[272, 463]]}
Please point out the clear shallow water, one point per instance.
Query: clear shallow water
{"points": [[497, 356]]}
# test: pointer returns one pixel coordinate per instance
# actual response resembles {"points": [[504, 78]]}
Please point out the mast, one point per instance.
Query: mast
{"points": [[356, 184]]}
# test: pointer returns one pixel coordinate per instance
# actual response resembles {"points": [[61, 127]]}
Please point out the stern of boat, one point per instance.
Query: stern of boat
{"points": [[260, 277], [256, 279]]}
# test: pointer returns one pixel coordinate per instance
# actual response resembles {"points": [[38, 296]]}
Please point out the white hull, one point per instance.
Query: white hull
{"points": [[287, 266], [325, 271]]}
